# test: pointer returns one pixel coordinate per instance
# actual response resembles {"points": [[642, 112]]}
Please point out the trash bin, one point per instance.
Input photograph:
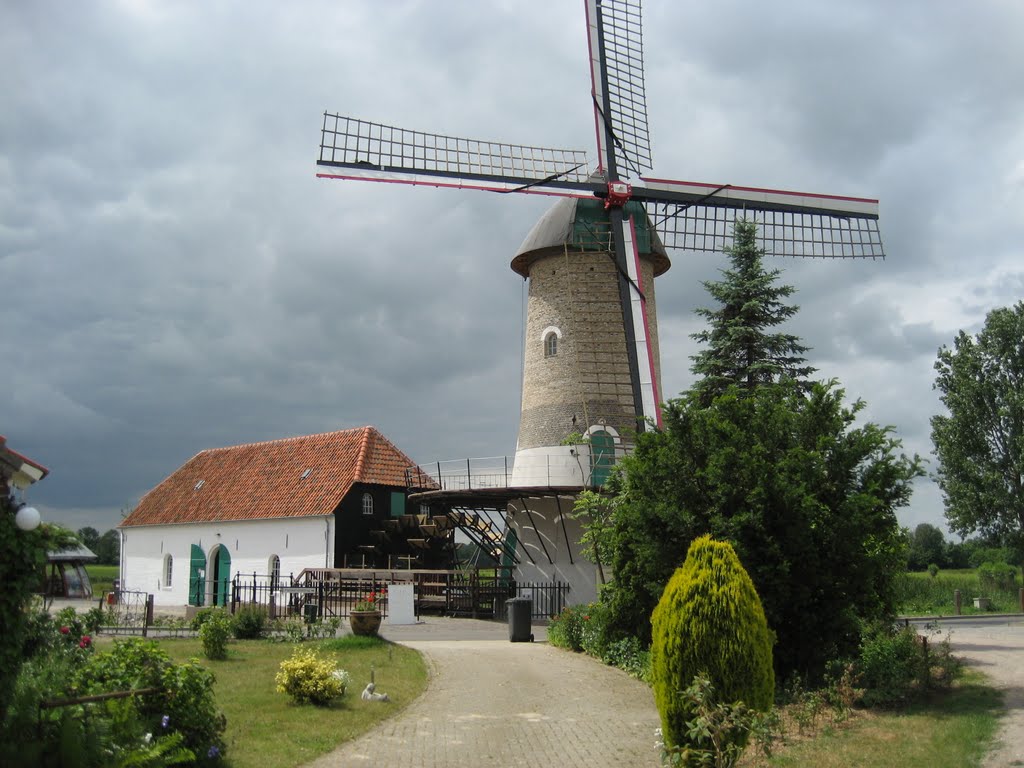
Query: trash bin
{"points": [[520, 610]]}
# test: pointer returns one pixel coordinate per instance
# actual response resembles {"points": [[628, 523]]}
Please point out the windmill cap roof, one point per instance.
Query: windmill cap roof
{"points": [[571, 222]]}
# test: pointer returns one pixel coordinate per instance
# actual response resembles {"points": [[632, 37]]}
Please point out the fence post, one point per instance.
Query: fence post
{"points": [[320, 600], [1020, 594], [148, 619], [956, 601]]}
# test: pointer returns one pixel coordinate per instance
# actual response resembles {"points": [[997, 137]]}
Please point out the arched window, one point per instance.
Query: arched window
{"points": [[168, 570], [367, 504], [274, 568], [551, 344]]}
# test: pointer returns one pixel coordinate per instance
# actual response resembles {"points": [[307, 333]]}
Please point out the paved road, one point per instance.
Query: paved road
{"points": [[995, 646], [495, 704]]}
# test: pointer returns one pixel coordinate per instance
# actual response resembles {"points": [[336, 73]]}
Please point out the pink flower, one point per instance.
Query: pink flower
{"points": [[85, 642], [65, 630]]}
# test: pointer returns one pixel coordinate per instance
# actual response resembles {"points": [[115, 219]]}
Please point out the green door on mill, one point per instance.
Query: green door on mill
{"points": [[197, 576], [602, 457]]}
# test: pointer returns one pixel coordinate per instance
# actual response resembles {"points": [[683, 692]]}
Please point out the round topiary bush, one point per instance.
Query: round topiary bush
{"points": [[709, 622]]}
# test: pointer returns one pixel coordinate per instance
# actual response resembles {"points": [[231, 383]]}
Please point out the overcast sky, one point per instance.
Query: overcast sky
{"points": [[175, 277]]}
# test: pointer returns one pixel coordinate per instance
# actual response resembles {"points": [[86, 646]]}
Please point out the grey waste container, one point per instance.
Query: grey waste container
{"points": [[520, 610]]}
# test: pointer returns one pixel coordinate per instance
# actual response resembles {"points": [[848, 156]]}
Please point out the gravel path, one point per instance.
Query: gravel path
{"points": [[998, 651], [492, 703]]}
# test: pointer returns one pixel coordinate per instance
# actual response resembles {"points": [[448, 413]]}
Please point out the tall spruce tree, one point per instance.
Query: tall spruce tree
{"points": [[740, 349]]}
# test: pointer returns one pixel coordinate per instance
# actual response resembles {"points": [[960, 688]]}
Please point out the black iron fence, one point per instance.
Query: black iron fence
{"points": [[312, 595], [324, 593], [548, 598], [127, 611]]}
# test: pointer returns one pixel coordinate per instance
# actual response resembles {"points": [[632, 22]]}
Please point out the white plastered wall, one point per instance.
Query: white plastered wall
{"points": [[306, 542], [547, 551]]}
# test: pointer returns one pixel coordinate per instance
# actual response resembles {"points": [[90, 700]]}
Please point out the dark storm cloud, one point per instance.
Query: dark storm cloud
{"points": [[177, 279]]}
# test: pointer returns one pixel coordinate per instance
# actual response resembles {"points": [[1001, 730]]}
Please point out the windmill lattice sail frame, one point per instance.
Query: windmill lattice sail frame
{"points": [[689, 216]]}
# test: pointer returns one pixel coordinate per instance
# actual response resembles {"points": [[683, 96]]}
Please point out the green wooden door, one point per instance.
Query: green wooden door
{"points": [[222, 576], [602, 456], [197, 576]]}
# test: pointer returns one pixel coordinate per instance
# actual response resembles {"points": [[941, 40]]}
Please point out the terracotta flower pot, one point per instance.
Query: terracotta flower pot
{"points": [[364, 622]]}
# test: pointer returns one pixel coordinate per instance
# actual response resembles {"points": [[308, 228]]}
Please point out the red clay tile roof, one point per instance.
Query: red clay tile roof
{"points": [[264, 480]]}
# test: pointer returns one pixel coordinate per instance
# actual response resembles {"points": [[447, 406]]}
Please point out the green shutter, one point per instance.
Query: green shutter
{"points": [[397, 503]]}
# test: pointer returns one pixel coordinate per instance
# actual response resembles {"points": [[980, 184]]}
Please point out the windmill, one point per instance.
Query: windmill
{"points": [[623, 213], [686, 215]]}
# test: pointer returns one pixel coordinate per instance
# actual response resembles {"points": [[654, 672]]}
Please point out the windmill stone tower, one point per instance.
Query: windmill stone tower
{"points": [[576, 376]]}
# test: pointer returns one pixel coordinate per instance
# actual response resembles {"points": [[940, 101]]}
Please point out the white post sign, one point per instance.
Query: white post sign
{"points": [[401, 604]]}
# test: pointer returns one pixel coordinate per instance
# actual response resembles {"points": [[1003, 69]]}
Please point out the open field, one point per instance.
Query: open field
{"points": [[919, 594], [102, 578]]}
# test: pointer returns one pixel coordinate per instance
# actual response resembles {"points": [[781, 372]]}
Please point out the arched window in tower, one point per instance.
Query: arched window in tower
{"points": [[551, 344], [367, 504]]}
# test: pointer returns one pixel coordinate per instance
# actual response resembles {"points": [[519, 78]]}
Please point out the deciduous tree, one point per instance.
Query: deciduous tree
{"points": [[927, 546], [980, 443], [89, 537]]}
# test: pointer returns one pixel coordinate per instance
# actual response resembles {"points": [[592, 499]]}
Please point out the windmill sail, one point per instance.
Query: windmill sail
{"points": [[358, 149], [692, 216], [615, 38]]}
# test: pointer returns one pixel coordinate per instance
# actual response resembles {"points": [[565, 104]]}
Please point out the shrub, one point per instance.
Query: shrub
{"points": [[993, 576], [890, 665], [709, 622], [250, 622], [308, 678], [579, 628], [214, 634], [205, 614], [719, 731], [566, 629], [933, 570], [629, 655], [187, 701], [896, 665]]}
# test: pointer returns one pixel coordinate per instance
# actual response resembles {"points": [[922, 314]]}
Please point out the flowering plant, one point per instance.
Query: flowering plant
{"points": [[307, 677], [368, 603]]}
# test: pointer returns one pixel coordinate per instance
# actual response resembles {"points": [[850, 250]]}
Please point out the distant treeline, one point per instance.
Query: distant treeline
{"points": [[107, 547], [927, 545]]}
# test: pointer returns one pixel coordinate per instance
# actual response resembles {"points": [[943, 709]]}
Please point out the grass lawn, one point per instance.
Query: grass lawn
{"points": [[953, 730], [102, 578], [266, 730]]}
